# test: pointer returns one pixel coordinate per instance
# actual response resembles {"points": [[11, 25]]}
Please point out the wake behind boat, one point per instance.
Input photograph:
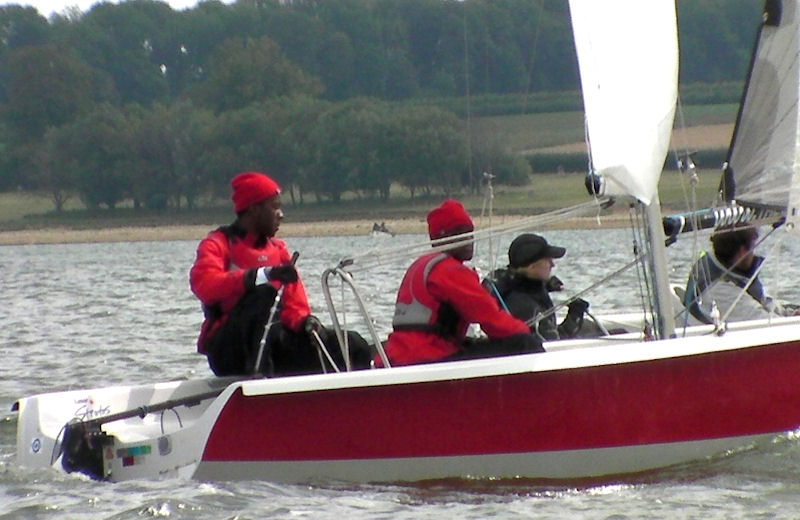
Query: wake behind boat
{"points": [[598, 407]]}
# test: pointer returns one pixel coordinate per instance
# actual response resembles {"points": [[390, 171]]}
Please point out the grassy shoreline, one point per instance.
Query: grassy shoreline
{"points": [[410, 225], [29, 218]]}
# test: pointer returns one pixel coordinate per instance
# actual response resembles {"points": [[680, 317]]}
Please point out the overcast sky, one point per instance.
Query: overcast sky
{"points": [[46, 7]]}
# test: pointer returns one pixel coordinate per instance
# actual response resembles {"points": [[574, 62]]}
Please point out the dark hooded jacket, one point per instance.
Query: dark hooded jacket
{"points": [[526, 299]]}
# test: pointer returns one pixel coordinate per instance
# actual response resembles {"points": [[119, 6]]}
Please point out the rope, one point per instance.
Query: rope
{"points": [[383, 256], [750, 280], [580, 293], [641, 268], [728, 270]]}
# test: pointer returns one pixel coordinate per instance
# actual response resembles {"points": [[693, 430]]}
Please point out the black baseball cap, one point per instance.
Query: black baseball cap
{"points": [[528, 248]]}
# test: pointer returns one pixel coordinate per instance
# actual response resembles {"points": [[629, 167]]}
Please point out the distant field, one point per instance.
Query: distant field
{"points": [[14, 205], [531, 131], [564, 130]]}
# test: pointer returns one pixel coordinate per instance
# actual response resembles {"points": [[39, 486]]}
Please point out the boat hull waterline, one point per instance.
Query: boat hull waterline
{"points": [[572, 413]]}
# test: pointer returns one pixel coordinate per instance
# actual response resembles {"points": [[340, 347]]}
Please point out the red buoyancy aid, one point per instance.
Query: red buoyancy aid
{"points": [[418, 335], [416, 308], [437, 300]]}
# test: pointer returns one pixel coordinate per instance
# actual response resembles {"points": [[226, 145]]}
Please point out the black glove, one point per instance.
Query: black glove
{"points": [[554, 284], [577, 307], [285, 273], [532, 344], [312, 324]]}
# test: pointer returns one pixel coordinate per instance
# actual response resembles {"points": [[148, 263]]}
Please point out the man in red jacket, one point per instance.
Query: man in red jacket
{"points": [[237, 274], [439, 297]]}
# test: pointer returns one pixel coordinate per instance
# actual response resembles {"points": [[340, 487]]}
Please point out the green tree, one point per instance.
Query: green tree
{"points": [[97, 154], [245, 71], [7, 172], [709, 56], [190, 129], [331, 139], [430, 150], [357, 20], [414, 28], [365, 145], [129, 42], [295, 148], [493, 157], [167, 143], [57, 167], [46, 87], [19, 27], [250, 136]]}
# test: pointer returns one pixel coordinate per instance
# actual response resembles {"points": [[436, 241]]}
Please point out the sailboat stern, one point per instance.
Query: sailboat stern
{"points": [[119, 433]]}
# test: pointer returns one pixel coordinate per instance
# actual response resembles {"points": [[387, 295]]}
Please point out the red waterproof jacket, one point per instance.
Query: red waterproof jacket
{"points": [[225, 269], [433, 280]]}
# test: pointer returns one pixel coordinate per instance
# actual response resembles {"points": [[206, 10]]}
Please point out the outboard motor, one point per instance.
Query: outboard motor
{"points": [[83, 447]]}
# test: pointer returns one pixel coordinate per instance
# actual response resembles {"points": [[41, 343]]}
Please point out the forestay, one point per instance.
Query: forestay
{"points": [[629, 82], [763, 157]]}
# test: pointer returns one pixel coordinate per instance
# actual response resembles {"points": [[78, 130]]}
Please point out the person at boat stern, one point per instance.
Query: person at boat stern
{"points": [[440, 297], [523, 288], [237, 275]]}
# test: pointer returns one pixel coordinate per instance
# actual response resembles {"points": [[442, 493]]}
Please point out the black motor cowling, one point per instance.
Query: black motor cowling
{"points": [[82, 449]]}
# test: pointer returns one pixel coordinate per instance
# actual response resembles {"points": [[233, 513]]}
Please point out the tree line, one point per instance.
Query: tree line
{"points": [[138, 101], [167, 156]]}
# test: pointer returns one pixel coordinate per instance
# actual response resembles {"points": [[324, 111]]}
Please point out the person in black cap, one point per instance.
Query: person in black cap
{"points": [[523, 288]]}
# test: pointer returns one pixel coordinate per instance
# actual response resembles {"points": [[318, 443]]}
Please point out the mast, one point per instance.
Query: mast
{"points": [[665, 315]]}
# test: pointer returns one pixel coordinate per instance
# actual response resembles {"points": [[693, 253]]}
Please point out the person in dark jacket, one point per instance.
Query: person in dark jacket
{"points": [[440, 296], [523, 288], [237, 275]]}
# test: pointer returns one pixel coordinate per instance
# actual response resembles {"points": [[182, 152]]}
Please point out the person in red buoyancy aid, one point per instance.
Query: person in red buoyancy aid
{"points": [[237, 274], [439, 297]]}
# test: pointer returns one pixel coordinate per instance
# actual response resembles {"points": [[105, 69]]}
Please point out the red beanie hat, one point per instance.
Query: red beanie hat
{"points": [[251, 187], [447, 217]]}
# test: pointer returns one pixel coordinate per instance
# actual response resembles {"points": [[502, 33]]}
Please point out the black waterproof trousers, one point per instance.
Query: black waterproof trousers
{"points": [[233, 349]]}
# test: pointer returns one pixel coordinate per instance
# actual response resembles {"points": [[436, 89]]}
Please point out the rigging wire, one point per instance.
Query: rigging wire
{"points": [[729, 270], [488, 172], [641, 252], [382, 256], [539, 317], [534, 45], [687, 169], [750, 279], [488, 200]]}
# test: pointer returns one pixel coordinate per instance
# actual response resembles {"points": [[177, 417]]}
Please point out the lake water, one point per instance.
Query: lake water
{"points": [[86, 315]]}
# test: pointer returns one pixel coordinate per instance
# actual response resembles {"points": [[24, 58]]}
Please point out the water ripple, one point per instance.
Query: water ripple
{"points": [[84, 315]]}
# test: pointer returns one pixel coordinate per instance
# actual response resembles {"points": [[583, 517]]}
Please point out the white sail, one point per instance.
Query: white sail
{"points": [[764, 151], [628, 57]]}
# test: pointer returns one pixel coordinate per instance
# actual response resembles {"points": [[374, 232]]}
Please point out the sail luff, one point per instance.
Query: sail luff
{"points": [[628, 58], [727, 184], [793, 204], [763, 155]]}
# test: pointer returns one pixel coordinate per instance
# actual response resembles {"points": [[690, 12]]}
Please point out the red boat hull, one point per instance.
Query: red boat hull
{"points": [[737, 393]]}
